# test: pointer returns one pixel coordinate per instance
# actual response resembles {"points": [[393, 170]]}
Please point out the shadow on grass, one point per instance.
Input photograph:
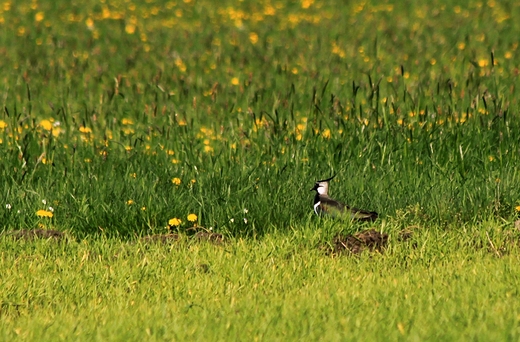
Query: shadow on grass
{"points": [[498, 242]]}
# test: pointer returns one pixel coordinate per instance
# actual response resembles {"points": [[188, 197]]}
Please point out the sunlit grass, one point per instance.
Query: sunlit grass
{"points": [[439, 285]]}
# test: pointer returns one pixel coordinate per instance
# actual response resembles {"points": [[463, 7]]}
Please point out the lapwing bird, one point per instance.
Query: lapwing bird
{"points": [[324, 205]]}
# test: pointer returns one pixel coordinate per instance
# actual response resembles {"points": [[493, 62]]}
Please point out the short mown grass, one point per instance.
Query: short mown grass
{"points": [[455, 284]]}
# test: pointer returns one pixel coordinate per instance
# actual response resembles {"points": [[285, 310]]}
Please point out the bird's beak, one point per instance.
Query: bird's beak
{"points": [[315, 187]]}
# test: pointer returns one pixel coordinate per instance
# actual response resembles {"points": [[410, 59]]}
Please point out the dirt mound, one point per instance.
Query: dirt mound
{"points": [[161, 238], [209, 236], [32, 234], [201, 236], [371, 240]]}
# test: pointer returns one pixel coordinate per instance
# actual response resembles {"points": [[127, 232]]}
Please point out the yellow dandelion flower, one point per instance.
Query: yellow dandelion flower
{"points": [[517, 208], [253, 38], [175, 161], [269, 10], [126, 121], [90, 23], [174, 222], [128, 130], [235, 81], [143, 208], [3, 124], [193, 181], [130, 28], [56, 131], [130, 202], [208, 149], [85, 130], [44, 213], [176, 181], [180, 64], [46, 125], [192, 218], [307, 3], [39, 16], [326, 133]]}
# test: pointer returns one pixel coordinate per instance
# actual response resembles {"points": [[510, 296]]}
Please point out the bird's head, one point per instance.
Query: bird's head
{"points": [[322, 186]]}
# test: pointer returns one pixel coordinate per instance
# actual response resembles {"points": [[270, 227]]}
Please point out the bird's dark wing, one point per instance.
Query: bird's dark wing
{"points": [[363, 215], [335, 208], [332, 207]]}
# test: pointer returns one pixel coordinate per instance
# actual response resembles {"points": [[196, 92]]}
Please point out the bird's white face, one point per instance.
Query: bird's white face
{"points": [[323, 188]]}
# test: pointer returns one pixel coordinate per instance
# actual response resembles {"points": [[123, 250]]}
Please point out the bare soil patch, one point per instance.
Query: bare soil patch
{"points": [[371, 240], [32, 234], [201, 236], [161, 238]]}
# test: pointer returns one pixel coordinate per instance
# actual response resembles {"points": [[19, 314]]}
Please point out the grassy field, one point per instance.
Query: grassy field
{"points": [[438, 286], [124, 119]]}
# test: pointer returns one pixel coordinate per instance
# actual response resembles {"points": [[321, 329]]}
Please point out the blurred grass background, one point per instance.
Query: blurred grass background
{"points": [[413, 104]]}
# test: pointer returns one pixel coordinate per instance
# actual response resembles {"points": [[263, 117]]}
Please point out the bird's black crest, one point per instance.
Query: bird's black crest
{"points": [[326, 180]]}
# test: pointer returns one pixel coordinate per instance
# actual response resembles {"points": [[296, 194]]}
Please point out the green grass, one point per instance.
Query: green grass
{"points": [[436, 286], [108, 105], [428, 121]]}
